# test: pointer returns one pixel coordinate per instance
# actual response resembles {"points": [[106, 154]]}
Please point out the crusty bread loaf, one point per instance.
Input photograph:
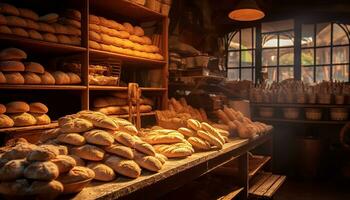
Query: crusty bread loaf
{"points": [[15, 21], [41, 171], [78, 160], [186, 132], [21, 150], [194, 124], [47, 78], [73, 78], [12, 54], [124, 167], [38, 107], [76, 126], [199, 143], [161, 158], [77, 174], [102, 171], [50, 37], [222, 116], [6, 121], [146, 40], [14, 78], [8, 9], [150, 163], [35, 35], [49, 18], [162, 139], [95, 36], [60, 29], [31, 78], [94, 45], [210, 138], [13, 169], [93, 19], [99, 137], [94, 27], [43, 153], [138, 31], [73, 32], [129, 28], [120, 150], [61, 78], [63, 39], [5, 30], [144, 147], [11, 66], [70, 22], [99, 120], [211, 130], [41, 119], [19, 32], [124, 138], [88, 152], [27, 13], [71, 138], [174, 150], [17, 107], [45, 189], [64, 163], [2, 108]]}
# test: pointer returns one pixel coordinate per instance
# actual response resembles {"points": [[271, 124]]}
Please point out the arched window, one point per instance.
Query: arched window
{"points": [[325, 52]]}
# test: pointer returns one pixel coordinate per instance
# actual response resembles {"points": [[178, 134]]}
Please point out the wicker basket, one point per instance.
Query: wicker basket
{"points": [[339, 99], [291, 113], [324, 99], [313, 113], [266, 112], [339, 114]]}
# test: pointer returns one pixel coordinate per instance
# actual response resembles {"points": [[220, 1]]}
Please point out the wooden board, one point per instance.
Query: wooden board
{"points": [[256, 163], [232, 194], [42, 87], [28, 128], [266, 184]]}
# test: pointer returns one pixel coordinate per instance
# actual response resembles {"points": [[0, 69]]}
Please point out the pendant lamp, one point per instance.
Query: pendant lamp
{"points": [[246, 10]]}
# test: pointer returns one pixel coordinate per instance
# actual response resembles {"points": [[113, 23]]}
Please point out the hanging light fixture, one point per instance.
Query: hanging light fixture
{"points": [[246, 10]]}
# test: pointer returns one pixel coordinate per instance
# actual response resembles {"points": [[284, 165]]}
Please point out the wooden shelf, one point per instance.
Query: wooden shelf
{"points": [[121, 88], [296, 105], [42, 87], [105, 56], [235, 191], [28, 128], [151, 89], [125, 8], [256, 163], [39, 46], [265, 185], [298, 121], [142, 115]]}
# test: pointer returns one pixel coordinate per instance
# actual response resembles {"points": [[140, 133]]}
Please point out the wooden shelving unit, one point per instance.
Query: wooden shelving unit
{"points": [[298, 121], [43, 87], [29, 128], [256, 163]]}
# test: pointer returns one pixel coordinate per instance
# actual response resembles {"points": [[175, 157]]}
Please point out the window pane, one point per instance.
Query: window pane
{"points": [[322, 74], [285, 73], [233, 74], [247, 58], [307, 35], [247, 42], [323, 56], [307, 56], [277, 26], [269, 40], [233, 59], [270, 73], [340, 55], [286, 39], [234, 44], [286, 56], [246, 74], [323, 37], [341, 73], [307, 74], [339, 35], [269, 57]]}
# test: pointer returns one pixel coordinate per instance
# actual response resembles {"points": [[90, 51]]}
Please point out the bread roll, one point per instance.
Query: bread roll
{"points": [[99, 120], [11, 66], [41, 119], [60, 29], [47, 79], [15, 21], [23, 119], [72, 138], [32, 25], [27, 13], [77, 174], [50, 37], [210, 138], [46, 189], [93, 19], [138, 31], [31, 78], [73, 78], [8, 9], [129, 28], [19, 32], [98, 137], [5, 30], [102, 172], [194, 124], [35, 35], [38, 107], [162, 139], [41, 171], [124, 138], [150, 163], [17, 107], [44, 153], [12, 54], [67, 119], [63, 39], [2, 108], [144, 147], [73, 14], [64, 163], [127, 168], [13, 169], [198, 143], [14, 78], [15, 188], [88, 152], [49, 18], [120, 150], [61, 78]]}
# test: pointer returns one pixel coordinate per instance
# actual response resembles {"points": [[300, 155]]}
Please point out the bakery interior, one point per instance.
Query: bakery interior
{"points": [[174, 99]]}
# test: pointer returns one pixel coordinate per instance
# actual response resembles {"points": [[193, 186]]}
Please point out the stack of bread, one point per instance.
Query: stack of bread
{"points": [[236, 122], [117, 104], [109, 35], [19, 113], [42, 171], [97, 76], [107, 145], [26, 23], [14, 71]]}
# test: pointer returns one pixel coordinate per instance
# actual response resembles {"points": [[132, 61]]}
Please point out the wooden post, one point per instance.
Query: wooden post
{"points": [[243, 175]]}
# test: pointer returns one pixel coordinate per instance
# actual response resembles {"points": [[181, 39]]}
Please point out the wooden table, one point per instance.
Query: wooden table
{"points": [[176, 173]]}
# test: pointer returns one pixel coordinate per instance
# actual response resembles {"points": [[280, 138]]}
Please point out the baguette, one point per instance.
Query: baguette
{"points": [[144, 147], [210, 138], [194, 124], [198, 143], [212, 131], [186, 132], [120, 150], [222, 116], [150, 163]]}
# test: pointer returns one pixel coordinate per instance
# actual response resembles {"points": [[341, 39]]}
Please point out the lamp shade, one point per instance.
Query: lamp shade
{"points": [[246, 10]]}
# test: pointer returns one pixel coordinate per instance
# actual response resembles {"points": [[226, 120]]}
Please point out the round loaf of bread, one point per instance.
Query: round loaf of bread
{"points": [[32, 25], [15, 21], [2, 108], [31, 78], [21, 150], [77, 174], [64, 163], [35, 35], [49, 18], [5, 30], [102, 171], [41, 119], [13, 170], [47, 79], [128, 168], [50, 37], [19, 32], [17, 107], [41, 171], [63, 39], [88, 152], [38, 107], [23, 119], [2, 78], [42, 154], [73, 78], [12, 54], [61, 78], [27, 13], [46, 189], [34, 67], [8, 9], [72, 138], [3, 20], [11, 66]]}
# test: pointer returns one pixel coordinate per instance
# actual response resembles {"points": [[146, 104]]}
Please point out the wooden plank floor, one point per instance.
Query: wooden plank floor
{"points": [[266, 184]]}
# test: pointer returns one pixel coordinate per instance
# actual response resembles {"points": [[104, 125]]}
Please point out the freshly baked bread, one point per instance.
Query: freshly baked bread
{"points": [[47, 78], [129, 28], [146, 40], [93, 19], [161, 158], [71, 22], [66, 119], [20, 32], [124, 167], [194, 124], [71, 138], [46, 28], [88, 152], [186, 132], [38, 107], [50, 37], [46, 189], [32, 25], [99, 120], [13, 169], [210, 138], [179, 150], [15, 188], [144, 147], [8, 9], [5, 30], [20, 151], [72, 14], [150, 163], [15, 21], [76, 126], [138, 31], [49, 135], [120, 150], [73, 78], [61, 78], [94, 27], [2, 79], [43, 153], [12, 54], [2, 108], [60, 29], [17, 107], [207, 127], [77, 174], [102, 171], [64, 163], [31, 78], [136, 39], [27, 13], [63, 39], [199, 143], [62, 150], [41, 119], [41, 171], [124, 138], [73, 31], [99, 137], [23, 119], [11, 66], [3, 20], [162, 139], [49, 18], [14, 78], [35, 35], [94, 45], [78, 160], [95, 36], [34, 67]]}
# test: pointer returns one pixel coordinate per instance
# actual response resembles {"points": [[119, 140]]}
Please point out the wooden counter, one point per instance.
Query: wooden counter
{"points": [[174, 174]]}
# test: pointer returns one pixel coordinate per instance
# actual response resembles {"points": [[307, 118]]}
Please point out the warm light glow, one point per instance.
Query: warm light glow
{"points": [[246, 14]]}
